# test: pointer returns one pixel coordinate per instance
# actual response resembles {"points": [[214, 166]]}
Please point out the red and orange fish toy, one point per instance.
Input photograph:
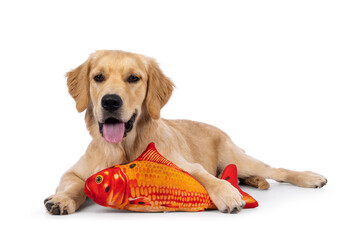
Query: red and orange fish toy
{"points": [[151, 183]]}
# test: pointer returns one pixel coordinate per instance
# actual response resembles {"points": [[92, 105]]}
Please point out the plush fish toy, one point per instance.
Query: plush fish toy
{"points": [[151, 183]]}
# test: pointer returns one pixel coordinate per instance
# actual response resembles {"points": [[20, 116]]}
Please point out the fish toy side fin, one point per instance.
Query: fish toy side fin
{"points": [[230, 174]]}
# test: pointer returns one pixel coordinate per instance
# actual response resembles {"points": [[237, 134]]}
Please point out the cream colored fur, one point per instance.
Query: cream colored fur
{"points": [[200, 149]]}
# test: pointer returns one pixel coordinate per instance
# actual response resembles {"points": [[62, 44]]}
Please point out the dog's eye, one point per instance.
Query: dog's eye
{"points": [[98, 179], [99, 78], [133, 79]]}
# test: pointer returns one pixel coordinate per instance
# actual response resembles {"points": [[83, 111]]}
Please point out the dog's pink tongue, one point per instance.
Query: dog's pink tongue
{"points": [[113, 132]]}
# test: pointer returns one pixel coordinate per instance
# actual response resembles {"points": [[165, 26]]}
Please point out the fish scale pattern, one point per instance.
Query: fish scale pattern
{"points": [[162, 188]]}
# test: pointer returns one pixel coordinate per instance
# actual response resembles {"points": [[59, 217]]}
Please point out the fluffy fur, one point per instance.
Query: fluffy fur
{"points": [[200, 149]]}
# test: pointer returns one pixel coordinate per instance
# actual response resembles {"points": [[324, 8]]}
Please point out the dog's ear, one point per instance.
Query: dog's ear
{"points": [[159, 89], [78, 85]]}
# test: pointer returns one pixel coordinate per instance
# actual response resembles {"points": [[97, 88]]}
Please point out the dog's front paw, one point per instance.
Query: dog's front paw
{"points": [[225, 197], [60, 204]]}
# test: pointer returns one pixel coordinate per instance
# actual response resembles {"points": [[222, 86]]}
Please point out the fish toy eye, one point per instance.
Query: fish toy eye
{"points": [[98, 179]]}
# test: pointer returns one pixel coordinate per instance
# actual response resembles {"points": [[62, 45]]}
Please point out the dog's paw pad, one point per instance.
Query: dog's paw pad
{"points": [[59, 205]]}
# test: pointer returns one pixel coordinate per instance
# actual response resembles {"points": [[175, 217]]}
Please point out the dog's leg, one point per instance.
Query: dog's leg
{"points": [[255, 181], [70, 192], [69, 195], [225, 197], [248, 166]]}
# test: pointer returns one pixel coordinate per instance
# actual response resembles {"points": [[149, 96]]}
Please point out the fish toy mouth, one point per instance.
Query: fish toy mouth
{"points": [[114, 130], [88, 191]]}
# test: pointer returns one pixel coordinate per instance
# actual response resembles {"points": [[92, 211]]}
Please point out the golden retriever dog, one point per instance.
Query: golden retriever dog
{"points": [[123, 94]]}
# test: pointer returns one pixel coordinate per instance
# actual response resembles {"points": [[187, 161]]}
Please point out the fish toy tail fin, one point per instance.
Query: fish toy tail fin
{"points": [[230, 174]]}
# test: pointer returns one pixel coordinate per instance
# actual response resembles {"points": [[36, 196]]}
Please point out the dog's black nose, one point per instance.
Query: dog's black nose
{"points": [[111, 102]]}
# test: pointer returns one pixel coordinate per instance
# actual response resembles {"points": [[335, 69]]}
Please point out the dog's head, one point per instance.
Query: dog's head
{"points": [[116, 88]]}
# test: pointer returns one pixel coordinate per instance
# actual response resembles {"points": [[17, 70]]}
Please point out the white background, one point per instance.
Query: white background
{"points": [[280, 77]]}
